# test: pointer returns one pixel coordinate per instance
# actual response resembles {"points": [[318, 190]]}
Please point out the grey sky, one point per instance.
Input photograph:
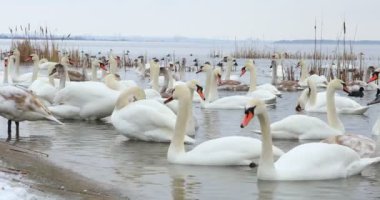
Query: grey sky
{"points": [[221, 19]]}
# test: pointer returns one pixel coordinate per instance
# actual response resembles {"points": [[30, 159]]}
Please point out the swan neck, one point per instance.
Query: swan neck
{"points": [[94, 75], [332, 117], [208, 85], [35, 70], [313, 93], [62, 81], [303, 72], [252, 86], [274, 72], [154, 73], [177, 145], [17, 66], [228, 70], [266, 165], [213, 93], [5, 80]]}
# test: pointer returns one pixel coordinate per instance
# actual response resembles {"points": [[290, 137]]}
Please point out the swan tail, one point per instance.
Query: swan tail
{"points": [[360, 165]]}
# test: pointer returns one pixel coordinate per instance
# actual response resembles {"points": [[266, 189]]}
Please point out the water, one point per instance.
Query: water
{"points": [[139, 170]]}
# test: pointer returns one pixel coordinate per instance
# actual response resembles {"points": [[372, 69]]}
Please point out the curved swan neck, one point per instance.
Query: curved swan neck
{"points": [[177, 145], [313, 93], [252, 73], [266, 166], [228, 70], [128, 96], [332, 117], [35, 70]]}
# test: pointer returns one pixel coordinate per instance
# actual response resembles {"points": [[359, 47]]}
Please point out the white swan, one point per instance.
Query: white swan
{"points": [[320, 81], [307, 127], [143, 119], [18, 104], [232, 150], [316, 102], [5, 73], [311, 161], [230, 102], [83, 100], [230, 79], [266, 95]]}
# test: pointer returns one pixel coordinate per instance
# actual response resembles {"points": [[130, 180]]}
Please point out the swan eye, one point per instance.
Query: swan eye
{"points": [[199, 88], [250, 110]]}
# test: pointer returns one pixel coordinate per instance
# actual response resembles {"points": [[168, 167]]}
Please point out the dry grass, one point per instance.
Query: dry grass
{"points": [[41, 42]]}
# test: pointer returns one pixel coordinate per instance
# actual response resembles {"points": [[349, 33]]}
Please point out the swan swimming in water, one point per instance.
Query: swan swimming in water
{"points": [[143, 119], [311, 161], [231, 150]]}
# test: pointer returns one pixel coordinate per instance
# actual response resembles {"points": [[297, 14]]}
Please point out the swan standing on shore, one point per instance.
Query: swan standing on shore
{"points": [[17, 104], [311, 161], [232, 150]]}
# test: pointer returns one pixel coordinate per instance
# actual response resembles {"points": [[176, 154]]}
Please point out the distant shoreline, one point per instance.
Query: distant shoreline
{"points": [[184, 39]]}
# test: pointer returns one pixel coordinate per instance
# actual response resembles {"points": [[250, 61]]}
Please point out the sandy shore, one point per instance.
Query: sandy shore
{"points": [[50, 178]]}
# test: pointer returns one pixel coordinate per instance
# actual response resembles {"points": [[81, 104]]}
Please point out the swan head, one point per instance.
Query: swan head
{"points": [[204, 68], [196, 86], [338, 84], [179, 92], [15, 52], [65, 60], [32, 57], [375, 76], [100, 64], [59, 69], [249, 64], [300, 63], [302, 99], [254, 106]]}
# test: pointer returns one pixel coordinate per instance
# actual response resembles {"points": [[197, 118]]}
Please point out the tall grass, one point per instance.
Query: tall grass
{"points": [[41, 41]]}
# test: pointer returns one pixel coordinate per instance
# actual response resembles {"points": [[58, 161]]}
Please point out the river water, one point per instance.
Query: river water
{"points": [[139, 170]]}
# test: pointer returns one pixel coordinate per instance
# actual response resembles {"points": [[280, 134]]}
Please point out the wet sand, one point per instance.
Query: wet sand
{"points": [[50, 178]]}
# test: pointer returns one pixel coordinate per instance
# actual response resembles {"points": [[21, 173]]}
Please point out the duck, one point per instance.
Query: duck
{"points": [[305, 127], [19, 104], [316, 102], [225, 151], [357, 93], [256, 91], [143, 119], [310, 161]]}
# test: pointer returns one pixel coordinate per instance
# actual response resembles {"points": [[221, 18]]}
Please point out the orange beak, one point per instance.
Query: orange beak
{"points": [[200, 92], [373, 78], [168, 100], [247, 118]]}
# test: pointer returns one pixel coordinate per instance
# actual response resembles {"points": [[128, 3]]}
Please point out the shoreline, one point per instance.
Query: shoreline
{"points": [[49, 178]]}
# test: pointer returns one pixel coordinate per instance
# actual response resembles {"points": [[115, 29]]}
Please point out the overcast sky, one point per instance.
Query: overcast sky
{"points": [[220, 19]]}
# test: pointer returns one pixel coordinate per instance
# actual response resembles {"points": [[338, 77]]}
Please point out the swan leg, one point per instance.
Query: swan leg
{"points": [[17, 130], [9, 130]]}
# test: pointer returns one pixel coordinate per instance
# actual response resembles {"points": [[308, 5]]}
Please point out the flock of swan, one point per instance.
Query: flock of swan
{"points": [[143, 114]]}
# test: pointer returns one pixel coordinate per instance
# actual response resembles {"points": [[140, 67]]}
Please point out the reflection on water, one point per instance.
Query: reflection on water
{"points": [[139, 170]]}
